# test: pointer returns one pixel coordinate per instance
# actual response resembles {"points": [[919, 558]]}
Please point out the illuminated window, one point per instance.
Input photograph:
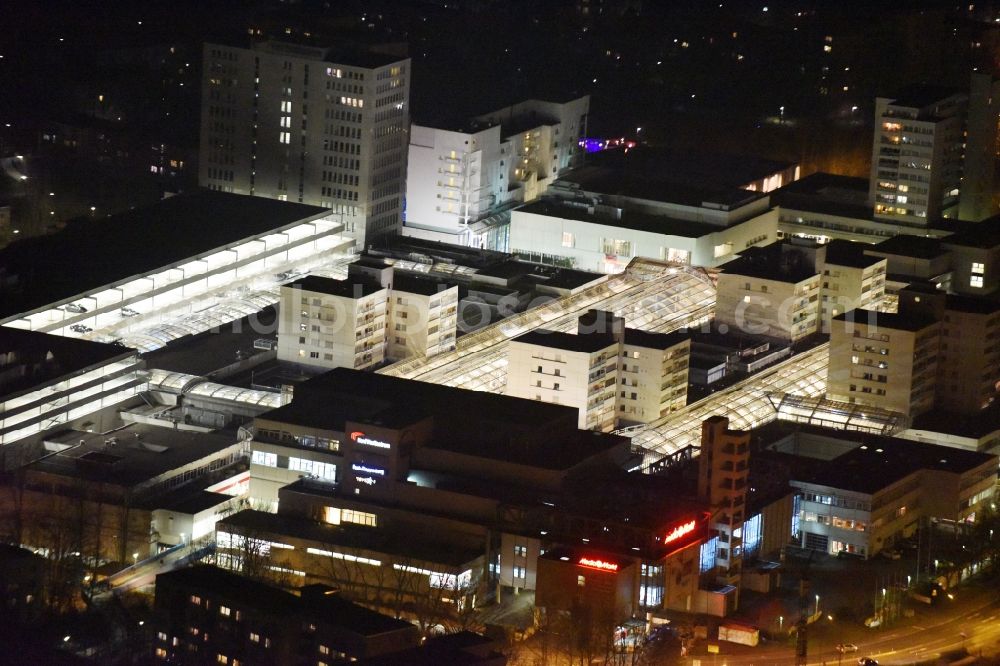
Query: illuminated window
{"points": [[264, 458], [195, 599], [221, 659], [581, 581], [285, 137], [976, 281], [286, 121], [254, 638], [286, 107], [224, 611], [359, 517], [568, 240], [519, 572], [978, 268]]}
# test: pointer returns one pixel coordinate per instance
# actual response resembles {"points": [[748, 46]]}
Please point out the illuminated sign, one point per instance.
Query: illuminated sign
{"points": [[365, 469], [359, 437], [679, 531], [597, 564], [365, 479]]}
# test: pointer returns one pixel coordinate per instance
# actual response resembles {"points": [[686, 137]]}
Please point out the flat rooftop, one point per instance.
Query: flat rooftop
{"points": [[586, 344], [207, 352], [920, 95], [983, 235], [609, 181], [411, 284], [328, 609], [845, 253], [657, 224], [717, 169], [351, 57], [89, 254], [492, 426], [875, 462], [355, 286], [30, 360], [890, 320], [772, 262], [131, 455], [827, 193], [905, 245], [976, 426], [396, 540], [638, 338], [973, 304]]}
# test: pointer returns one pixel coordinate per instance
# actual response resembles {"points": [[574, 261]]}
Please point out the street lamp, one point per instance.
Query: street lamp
{"points": [[135, 558], [781, 114], [816, 612], [781, 623]]}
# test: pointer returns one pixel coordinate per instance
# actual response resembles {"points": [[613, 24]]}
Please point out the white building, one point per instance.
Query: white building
{"points": [[454, 178], [458, 175], [610, 373], [310, 125], [605, 238], [332, 323], [861, 497]]}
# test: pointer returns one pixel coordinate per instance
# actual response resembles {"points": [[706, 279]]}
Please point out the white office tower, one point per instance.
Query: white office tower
{"points": [[464, 173], [310, 125]]}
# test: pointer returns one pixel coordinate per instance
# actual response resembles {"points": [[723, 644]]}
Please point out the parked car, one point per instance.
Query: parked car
{"points": [[80, 328], [891, 554], [867, 661], [129, 312], [844, 648], [74, 308]]}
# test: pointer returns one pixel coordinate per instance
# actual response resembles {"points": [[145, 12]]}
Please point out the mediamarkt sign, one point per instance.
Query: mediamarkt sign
{"points": [[679, 531], [360, 438], [598, 564]]}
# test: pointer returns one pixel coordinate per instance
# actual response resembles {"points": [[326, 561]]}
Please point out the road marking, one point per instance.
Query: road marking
{"points": [[919, 628]]}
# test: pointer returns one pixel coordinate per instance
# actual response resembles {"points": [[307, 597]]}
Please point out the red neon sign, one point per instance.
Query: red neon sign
{"points": [[356, 434], [679, 531], [598, 564]]}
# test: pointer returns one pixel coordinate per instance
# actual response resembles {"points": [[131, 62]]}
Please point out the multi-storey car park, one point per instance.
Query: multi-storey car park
{"points": [[151, 275]]}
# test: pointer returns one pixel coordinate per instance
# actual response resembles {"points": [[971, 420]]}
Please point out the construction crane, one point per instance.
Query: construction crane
{"points": [[802, 628]]}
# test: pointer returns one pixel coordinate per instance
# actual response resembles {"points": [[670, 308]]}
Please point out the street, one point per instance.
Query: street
{"points": [[924, 637]]}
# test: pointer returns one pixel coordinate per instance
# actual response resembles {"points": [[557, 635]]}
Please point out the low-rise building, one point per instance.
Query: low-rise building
{"points": [[499, 486], [48, 381], [95, 496], [862, 495], [204, 614], [694, 228]]}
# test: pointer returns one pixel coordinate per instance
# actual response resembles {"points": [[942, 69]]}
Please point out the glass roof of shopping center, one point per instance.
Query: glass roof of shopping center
{"points": [[650, 295], [179, 382]]}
